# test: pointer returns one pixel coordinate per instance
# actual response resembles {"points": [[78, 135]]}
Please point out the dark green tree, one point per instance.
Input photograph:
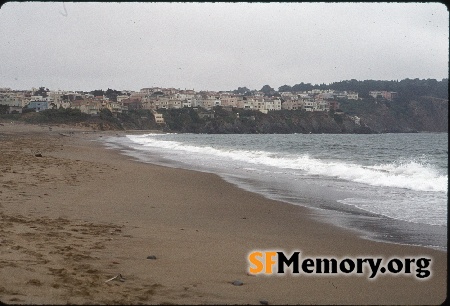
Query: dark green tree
{"points": [[285, 88], [241, 90], [112, 94], [42, 91], [97, 92], [302, 87], [267, 90], [4, 109]]}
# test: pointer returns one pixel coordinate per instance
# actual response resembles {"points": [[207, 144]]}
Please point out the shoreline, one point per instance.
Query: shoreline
{"points": [[94, 213], [366, 224]]}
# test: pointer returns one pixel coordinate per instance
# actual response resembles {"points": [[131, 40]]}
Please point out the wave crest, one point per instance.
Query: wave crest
{"points": [[411, 174]]}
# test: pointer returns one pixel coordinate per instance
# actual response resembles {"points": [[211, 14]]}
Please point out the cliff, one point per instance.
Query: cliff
{"points": [[280, 122], [424, 114]]}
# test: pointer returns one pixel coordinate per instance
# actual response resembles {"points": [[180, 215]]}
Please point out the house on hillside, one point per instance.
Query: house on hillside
{"points": [[91, 106], [352, 95], [388, 95], [132, 103], [333, 105], [159, 119], [38, 105], [292, 105]]}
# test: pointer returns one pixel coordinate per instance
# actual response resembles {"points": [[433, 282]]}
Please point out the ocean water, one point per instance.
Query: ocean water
{"points": [[387, 187]]}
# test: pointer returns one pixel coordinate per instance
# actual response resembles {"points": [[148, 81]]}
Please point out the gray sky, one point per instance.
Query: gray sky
{"points": [[218, 46]]}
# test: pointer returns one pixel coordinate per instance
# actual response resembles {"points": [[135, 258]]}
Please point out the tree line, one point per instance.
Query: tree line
{"points": [[406, 88]]}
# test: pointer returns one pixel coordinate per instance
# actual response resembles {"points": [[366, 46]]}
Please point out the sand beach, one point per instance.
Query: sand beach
{"points": [[75, 215]]}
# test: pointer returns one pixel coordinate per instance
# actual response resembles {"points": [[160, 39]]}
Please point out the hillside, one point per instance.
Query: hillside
{"points": [[424, 114]]}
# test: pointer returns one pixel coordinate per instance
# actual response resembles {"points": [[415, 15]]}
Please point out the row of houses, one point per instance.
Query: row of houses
{"points": [[168, 98], [156, 98]]}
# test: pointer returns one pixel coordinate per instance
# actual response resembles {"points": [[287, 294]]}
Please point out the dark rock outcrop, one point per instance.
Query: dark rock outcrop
{"points": [[425, 114]]}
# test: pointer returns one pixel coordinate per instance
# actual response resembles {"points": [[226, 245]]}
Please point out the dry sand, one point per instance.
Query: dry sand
{"points": [[81, 214]]}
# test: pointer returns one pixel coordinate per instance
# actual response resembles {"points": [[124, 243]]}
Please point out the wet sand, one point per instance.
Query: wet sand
{"points": [[82, 214]]}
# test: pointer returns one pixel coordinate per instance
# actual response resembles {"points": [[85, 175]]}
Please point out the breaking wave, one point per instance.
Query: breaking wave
{"points": [[410, 174]]}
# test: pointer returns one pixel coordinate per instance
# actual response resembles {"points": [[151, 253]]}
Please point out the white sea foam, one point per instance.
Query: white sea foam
{"points": [[413, 175], [430, 212]]}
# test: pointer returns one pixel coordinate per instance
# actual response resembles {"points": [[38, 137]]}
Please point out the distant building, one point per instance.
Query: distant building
{"points": [[333, 105], [292, 105], [357, 120], [132, 103], [38, 105], [352, 95], [158, 118], [11, 99], [388, 95]]}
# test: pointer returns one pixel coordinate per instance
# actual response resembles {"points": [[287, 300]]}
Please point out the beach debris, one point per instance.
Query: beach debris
{"points": [[151, 257], [237, 283], [264, 302], [118, 277], [34, 282], [38, 155]]}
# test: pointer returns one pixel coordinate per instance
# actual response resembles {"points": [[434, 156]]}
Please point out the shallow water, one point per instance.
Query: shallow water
{"points": [[390, 187]]}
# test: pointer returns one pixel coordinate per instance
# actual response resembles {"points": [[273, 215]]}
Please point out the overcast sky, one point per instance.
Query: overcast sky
{"points": [[218, 46]]}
